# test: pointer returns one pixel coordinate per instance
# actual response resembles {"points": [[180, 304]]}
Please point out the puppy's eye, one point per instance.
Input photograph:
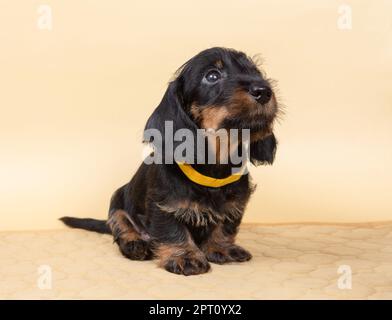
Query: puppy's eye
{"points": [[213, 76]]}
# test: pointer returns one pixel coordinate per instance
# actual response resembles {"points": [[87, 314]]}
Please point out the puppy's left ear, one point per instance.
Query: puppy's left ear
{"points": [[263, 151], [171, 108], [170, 111]]}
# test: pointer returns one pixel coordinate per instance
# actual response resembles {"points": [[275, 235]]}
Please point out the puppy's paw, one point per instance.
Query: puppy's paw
{"points": [[239, 254], [136, 250], [187, 264], [232, 253]]}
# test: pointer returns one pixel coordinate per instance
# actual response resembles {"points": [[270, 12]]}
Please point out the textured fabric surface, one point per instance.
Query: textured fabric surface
{"points": [[289, 262]]}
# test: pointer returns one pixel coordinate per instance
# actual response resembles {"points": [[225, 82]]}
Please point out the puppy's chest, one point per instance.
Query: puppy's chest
{"points": [[203, 213]]}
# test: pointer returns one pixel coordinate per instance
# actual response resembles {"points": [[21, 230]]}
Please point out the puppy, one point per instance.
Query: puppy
{"points": [[187, 215]]}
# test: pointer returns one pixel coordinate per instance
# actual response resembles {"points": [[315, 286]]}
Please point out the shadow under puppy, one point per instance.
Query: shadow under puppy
{"points": [[162, 213]]}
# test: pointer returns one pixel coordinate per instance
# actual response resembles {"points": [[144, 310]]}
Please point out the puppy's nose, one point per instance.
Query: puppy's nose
{"points": [[262, 94]]}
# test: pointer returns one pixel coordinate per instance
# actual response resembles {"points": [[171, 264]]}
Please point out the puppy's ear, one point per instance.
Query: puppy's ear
{"points": [[172, 111], [263, 151]]}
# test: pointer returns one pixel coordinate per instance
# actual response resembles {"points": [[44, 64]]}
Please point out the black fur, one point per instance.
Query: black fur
{"points": [[156, 191], [87, 224], [263, 151]]}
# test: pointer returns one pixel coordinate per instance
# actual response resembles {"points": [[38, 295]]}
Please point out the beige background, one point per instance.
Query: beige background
{"points": [[74, 101]]}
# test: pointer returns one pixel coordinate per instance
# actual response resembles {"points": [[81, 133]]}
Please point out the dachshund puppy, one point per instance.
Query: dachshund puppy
{"points": [[187, 215]]}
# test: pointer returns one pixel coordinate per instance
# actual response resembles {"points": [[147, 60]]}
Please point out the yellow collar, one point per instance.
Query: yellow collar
{"points": [[207, 181]]}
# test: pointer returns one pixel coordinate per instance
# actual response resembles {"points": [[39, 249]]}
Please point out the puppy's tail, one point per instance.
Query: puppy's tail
{"points": [[99, 226]]}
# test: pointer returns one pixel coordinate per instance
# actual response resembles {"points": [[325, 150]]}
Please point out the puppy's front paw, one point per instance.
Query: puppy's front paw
{"points": [[232, 253], [187, 264], [239, 254]]}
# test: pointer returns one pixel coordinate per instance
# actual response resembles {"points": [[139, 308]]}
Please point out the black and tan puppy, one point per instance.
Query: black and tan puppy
{"points": [[162, 213]]}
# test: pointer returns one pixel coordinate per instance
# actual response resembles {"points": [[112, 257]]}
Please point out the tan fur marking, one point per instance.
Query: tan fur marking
{"points": [[218, 241], [219, 142], [260, 135], [242, 102], [198, 215], [209, 117], [121, 227], [177, 252], [220, 248]]}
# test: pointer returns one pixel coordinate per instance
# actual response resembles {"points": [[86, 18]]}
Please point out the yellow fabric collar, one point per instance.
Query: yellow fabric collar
{"points": [[207, 181]]}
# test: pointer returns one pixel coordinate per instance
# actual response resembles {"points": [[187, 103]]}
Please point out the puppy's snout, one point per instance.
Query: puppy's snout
{"points": [[261, 93]]}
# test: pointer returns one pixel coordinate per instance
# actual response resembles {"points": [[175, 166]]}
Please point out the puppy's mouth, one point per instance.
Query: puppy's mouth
{"points": [[245, 111], [245, 104], [241, 111]]}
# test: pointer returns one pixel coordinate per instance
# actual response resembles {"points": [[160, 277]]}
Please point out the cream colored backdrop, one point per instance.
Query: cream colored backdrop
{"points": [[74, 101]]}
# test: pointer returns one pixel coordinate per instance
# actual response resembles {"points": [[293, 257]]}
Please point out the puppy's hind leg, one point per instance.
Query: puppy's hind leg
{"points": [[133, 244]]}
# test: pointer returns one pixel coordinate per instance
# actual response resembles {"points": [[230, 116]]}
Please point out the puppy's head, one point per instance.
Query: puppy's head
{"points": [[222, 89]]}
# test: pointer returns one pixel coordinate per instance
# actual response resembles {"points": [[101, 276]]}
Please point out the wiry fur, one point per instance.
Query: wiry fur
{"points": [[162, 214], [198, 216]]}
